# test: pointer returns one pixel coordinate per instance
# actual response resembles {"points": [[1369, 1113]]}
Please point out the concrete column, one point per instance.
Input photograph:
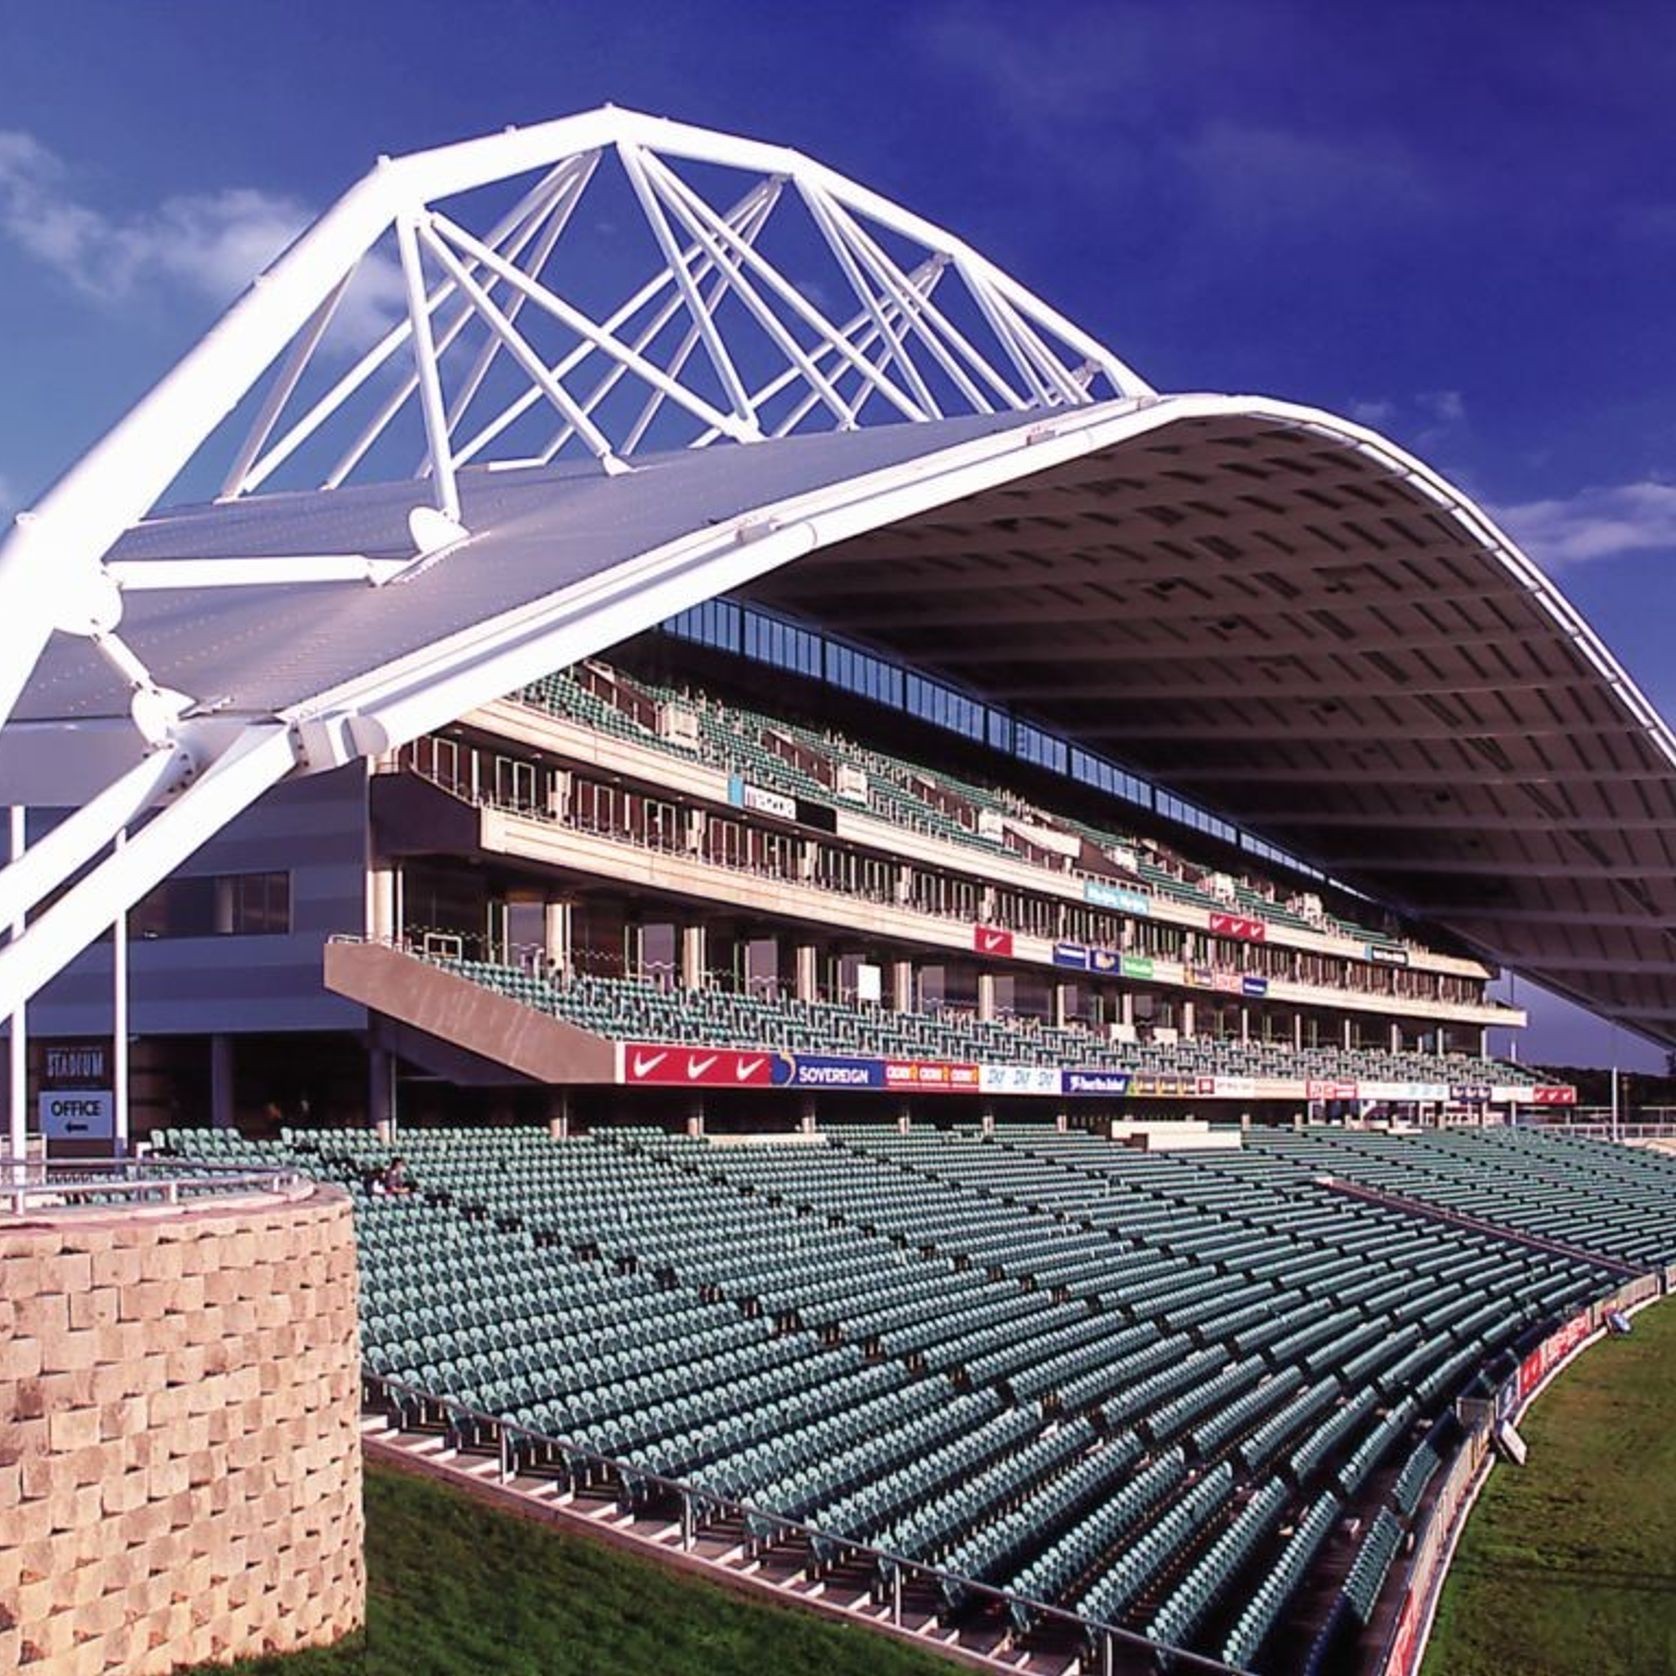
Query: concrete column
{"points": [[221, 1082], [695, 831], [986, 995], [987, 1119], [1346, 1035], [381, 1087], [695, 1117], [695, 956], [806, 972], [558, 1114], [806, 1114], [1297, 1032], [1126, 1008], [1189, 1016], [1396, 1037], [902, 985], [1245, 1024], [383, 922], [904, 1118], [1061, 1004], [556, 925]]}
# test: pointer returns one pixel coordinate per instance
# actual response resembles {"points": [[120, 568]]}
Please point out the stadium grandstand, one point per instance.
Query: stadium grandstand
{"points": [[889, 930]]}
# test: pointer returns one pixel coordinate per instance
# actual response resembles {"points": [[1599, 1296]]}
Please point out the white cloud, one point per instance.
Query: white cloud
{"points": [[1596, 523], [207, 245], [1445, 406], [1373, 413]]}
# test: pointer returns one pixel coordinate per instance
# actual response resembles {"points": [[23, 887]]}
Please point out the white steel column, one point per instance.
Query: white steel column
{"points": [[18, 1045], [119, 1021]]}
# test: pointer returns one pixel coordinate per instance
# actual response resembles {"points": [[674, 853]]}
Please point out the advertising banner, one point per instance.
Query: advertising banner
{"points": [[1561, 1094], [1238, 926], [1234, 1088], [820, 1070], [1098, 894], [1405, 1091], [990, 939], [1019, 1079], [1254, 987], [1110, 1084], [1555, 1348], [1104, 960], [1314, 1090], [685, 1067], [1199, 977], [1135, 966], [1464, 1093], [1387, 954], [1072, 956], [1168, 1088], [931, 1076], [1229, 983]]}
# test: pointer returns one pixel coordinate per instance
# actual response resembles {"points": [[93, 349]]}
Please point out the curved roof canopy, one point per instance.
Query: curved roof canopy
{"points": [[1273, 611]]}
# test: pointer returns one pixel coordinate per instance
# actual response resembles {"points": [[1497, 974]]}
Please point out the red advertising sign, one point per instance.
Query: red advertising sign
{"points": [[1329, 1090], [1557, 1094], [1553, 1349], [700, 1067], [991, 939], [1404, 1643], [1238, 926], [931, 1076]]}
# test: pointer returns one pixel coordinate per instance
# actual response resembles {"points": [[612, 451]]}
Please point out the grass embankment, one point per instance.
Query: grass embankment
{"points": [[1567, 1566], [456, 1586]]}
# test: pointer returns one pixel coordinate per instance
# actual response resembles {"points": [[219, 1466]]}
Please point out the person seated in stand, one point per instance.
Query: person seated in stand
{"points": [[396, 1181]]}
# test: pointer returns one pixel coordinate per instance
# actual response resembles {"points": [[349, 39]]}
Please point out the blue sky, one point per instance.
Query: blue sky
{"points": [[1454, 221]]}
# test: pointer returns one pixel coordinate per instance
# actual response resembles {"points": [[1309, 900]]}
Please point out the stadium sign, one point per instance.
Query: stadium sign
{"points": [[1110, 1084], [819, 1070], [1561, 1095], [1404, 1091], [1541, 1094], [744, 795], [1254, 987], [1020, 1079], [1240, 927], [1550, 1352], [1466, 1093], [931, 1076], [1101, 895], [83, 1114], [1234, 1088], [1136, 966], [1073, 956], [1318, 1090], [701, 1067], [992, 939], [1387, 954]]}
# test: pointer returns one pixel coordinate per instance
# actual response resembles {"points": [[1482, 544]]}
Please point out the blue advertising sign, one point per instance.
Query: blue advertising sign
{"points": [[1254, 986], [1113, 1084], [819, 1070], [1073, 955], [1101, 895]]}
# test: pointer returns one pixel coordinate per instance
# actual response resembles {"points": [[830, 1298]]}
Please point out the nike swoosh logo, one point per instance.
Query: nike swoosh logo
{"points": [[746, 1069], [992, 939], [645, 1063], [697, 1067]]}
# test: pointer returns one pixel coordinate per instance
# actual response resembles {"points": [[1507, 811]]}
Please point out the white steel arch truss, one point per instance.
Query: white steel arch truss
{"points": [[483, 355]]}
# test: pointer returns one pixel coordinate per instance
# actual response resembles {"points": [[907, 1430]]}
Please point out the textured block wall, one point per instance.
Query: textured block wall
{"points": [[180, 1467]]}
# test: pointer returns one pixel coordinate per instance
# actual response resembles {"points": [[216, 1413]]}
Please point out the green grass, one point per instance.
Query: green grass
{"points": [[1567, 1567], [458, 1586]]}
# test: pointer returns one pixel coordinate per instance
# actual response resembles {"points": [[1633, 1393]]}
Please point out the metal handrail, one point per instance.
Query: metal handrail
{"points": [[31, 1185]]}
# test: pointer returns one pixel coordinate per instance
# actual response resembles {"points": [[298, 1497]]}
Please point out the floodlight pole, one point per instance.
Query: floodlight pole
{"points": [[17, 1090], [119, 1021]]}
